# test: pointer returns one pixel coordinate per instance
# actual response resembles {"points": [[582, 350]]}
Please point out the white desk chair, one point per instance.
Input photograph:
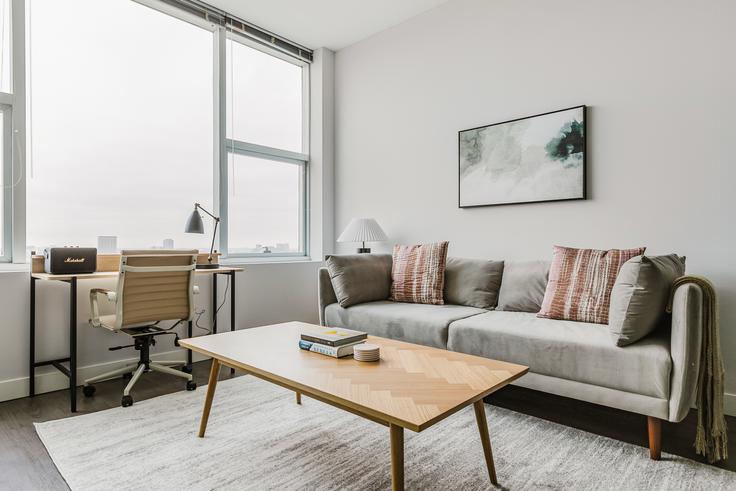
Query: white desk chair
{"points": [[153, 286]]}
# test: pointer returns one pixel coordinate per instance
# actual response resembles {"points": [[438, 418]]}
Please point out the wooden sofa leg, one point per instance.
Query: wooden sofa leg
{"points": [[654, 426]]}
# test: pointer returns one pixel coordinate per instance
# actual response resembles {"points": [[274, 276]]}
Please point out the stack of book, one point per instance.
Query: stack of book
{"points": [[331, 341]]}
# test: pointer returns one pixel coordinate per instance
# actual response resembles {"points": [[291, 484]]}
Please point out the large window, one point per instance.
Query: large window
{"points": [[136, 111], [121, 124], [266, 153]]}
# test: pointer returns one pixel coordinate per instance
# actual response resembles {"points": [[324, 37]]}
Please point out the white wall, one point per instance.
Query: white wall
{"points": [[658, 77]]}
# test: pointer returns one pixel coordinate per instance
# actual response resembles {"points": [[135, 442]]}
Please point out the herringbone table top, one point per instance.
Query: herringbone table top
{"points": [[412, 386]]}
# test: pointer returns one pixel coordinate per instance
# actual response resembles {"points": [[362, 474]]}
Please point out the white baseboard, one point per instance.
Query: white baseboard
{"points": [[51, 381]]}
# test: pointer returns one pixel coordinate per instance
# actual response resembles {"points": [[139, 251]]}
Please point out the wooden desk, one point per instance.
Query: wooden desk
{"points": [[411, 387], [72, 280]]}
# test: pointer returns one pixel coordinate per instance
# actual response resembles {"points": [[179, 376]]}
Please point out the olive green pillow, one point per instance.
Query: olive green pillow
{"points": [[523, 286], [360, 278], [472, 282], [640, 295]]}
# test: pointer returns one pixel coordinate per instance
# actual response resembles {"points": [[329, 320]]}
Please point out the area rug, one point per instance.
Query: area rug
{"points": [[259, 438]]}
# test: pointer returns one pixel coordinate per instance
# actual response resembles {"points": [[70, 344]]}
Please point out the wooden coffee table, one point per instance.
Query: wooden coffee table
{"points": [[411, 387]]}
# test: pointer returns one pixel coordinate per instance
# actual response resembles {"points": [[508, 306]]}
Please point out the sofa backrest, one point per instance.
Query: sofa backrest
{"points": [[504, 285], [523, 285]]}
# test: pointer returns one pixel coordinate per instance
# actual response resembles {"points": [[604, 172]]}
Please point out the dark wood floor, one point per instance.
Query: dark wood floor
{"points": [[677, 438], [25, 465]]}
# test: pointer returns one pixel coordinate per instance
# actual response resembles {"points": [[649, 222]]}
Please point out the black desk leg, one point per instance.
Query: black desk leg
{"points": [[189, 352], [73, 343], [32, 357], [232, 307], [214, 303]]}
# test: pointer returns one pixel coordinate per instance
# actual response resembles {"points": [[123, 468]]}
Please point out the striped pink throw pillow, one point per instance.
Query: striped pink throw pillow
{"points": [[580, 283], [418, 273]]}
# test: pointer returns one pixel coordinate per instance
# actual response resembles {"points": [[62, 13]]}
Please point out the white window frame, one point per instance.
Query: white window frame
{"points": [[239, 147], [13, 162], [8, 179]]}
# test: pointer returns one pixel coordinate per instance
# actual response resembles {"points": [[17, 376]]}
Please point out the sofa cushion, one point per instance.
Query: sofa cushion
{"points": [[580, 283], [418, 273], [522, 286], [412, 322], [640, 295], [358, 278], [473, 282], [577, 351]]}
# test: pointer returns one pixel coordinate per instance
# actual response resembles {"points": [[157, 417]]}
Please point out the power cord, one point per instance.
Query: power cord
{"points": [[199, 313]]}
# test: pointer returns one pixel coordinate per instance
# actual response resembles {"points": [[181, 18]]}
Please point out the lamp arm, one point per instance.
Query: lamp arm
{"points": [[197, 205], [214, 234]]}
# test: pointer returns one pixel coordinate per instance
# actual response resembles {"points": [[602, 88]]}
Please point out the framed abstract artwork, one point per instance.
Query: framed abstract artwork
{"points": [[527, 160]]}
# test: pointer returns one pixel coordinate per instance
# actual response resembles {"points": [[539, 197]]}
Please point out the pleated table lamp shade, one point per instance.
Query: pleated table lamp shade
{"points": [[363, 230]]}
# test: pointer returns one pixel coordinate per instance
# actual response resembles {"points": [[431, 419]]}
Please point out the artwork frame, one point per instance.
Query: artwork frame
{"points": [[580, 162]]}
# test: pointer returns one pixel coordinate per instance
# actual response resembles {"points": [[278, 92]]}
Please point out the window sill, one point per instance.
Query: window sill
{"points": [[250, 261], [241, 261], [15, 268]]}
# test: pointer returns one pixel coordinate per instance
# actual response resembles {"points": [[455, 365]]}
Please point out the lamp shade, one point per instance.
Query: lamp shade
{"points": [[362, 230], [194, 223]]}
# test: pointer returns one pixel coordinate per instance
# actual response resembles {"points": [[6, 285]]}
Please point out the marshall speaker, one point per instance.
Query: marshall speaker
{"points": [[70, 260]]}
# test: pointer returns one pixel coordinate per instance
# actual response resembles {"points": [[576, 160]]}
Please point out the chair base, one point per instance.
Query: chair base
{"points": [[143, 343]]}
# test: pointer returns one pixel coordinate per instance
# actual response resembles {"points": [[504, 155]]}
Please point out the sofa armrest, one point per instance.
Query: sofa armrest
{"points": [[687, 336], [325, 293]]}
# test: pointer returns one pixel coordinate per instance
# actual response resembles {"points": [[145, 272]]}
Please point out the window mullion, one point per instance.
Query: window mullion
{"points": [[17, 141], [7, 194], [222, 156], [262, 151]]}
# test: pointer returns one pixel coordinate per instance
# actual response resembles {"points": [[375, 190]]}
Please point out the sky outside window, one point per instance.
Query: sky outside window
{"points": [[121, 124]]}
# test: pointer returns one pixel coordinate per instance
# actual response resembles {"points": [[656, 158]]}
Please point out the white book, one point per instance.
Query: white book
{"points": [[333, 351]]}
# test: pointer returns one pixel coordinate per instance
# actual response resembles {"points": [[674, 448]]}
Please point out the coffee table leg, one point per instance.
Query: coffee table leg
{"points": [[480, 417], [397, 457], [298, 397], [211, 385]]}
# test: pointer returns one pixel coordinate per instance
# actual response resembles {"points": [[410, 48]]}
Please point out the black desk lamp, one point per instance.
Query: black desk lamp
{"points": [[195, 226]]}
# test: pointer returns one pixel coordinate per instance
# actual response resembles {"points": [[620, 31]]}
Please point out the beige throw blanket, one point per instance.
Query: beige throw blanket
{"points": [[711, 439]]}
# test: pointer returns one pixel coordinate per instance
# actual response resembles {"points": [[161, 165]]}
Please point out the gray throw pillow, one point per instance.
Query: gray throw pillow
{"points": [[360, 278], [472, 282], [523, 286], [640, 295]]}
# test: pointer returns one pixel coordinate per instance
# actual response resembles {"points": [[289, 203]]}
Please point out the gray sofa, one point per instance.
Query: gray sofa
{"points": [[655, 376]]}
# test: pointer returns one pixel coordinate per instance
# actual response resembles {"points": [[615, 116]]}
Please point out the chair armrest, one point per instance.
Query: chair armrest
{"points": [[110, 294], [94, 309], [685, 345], [325, 293]]}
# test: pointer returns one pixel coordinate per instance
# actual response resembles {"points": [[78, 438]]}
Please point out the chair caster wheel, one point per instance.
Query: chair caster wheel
{"points": [[191, 385], [127, 401], [88, 390], [186, 369], [127, 376]]}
